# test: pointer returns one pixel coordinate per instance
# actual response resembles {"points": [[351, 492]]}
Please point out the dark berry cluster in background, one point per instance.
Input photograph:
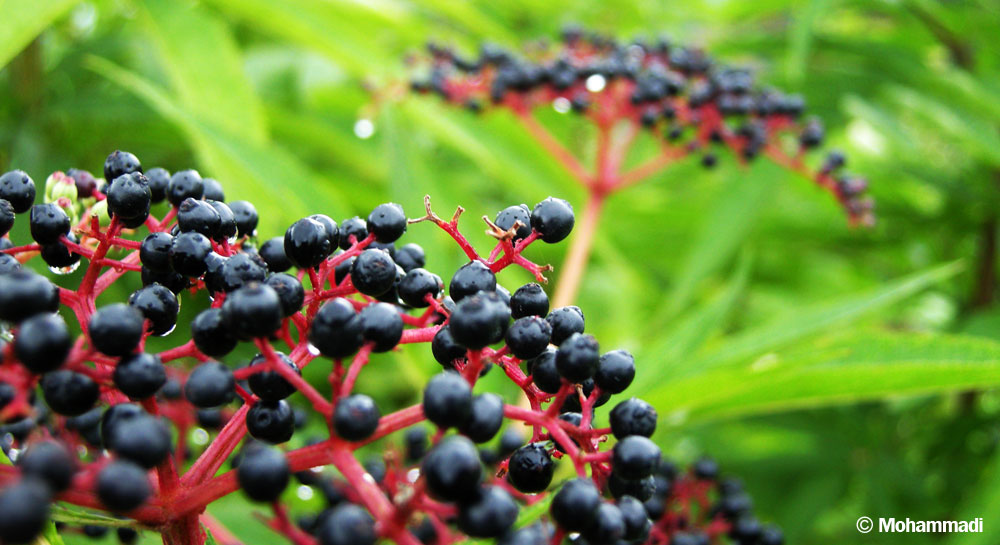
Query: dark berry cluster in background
{"points": [[92, 419], [686, 100]]}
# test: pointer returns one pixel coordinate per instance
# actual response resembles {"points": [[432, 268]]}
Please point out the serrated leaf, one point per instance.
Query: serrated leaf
{"points": [[855, 368], [289, 189]]}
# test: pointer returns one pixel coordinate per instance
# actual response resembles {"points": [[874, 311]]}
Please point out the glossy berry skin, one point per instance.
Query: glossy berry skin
{"points": [[139, 376], [418, 283], [171, 280], [115, 329], [211, 334], [574, 505], [25, 510], [7, 217], [49, 461], [445, 349], [373, 272], [307, 243], [447, 400], [198, 216], [158, 178], [553, 219], [129, 198], [252, 311], [24, 294], [143, 439], [213, 190], [528, 337], [8, 263], [209, 385], [356, 417], [356, 227], [508, 216], [158, 305], [42, 343], [470, 278], [382, 325], [337, 329], [122, 486], [237, 271], [155, 252], [410, 256], [246, 217], [387, 222], [227, 221], [479, 320], [633, 417], [452, 470], [273, 253], [530, 468], [615, 371], [186, 184], [635, 457], [529, 300], [489, 514], [271, 421], [607, 526], [263, 474], [485, 418], [119, 163], [565, 321], [58, 254], [578, 357], [637, 524], [544, 372], [270, 385], [330, 227], [347, 524], [48, 222], [114, 416], [17, 188]]}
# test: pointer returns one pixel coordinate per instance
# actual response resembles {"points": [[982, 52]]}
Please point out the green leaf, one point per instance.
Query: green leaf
{"points": [[205, 67], [693, 328], [267, 174], [51, 535], [817, 318], [719, 236], [856, 368], [77, 516], [21, 21]]}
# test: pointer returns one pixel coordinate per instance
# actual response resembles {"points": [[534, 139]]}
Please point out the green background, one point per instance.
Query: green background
{"points": [[840, 372]]}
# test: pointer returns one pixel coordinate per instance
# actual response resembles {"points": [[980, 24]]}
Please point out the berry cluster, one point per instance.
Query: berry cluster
{"points": [[687, 101], [92, 418]]}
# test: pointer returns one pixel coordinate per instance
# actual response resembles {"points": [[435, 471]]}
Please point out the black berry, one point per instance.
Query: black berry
{"points": [[447, 400], [530, 468], [633, 417], [387, 222], [271, 421], [452, 470], [470, 278], [252, 311], [263, 473], [42, 343], [356, 417], [573, 507], [17, 188], [209, 385], [565, 321], [139, 376], [122, 486], [48, 222], [158, 305], [186, 184], [485, 418], [553, 219], [337, 330]]}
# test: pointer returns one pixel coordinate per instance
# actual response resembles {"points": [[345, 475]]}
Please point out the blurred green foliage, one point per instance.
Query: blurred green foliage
{"points": [[821, 364]]}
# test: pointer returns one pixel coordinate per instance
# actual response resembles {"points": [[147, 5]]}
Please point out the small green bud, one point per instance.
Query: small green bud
{"points": [[100, 209], [60, 186]]}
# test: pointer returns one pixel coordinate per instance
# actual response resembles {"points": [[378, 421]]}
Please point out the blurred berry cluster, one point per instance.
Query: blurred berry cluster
{"points": [[90, 418], [686, 100]]}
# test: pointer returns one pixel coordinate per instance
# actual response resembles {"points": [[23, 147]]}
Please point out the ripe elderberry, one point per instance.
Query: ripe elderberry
{"points": [[350, 306]]}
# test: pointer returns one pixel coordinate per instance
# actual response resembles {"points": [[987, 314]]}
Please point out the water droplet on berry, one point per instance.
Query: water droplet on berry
{"points": [[364, 128], [169, 331], [304, 492], [369, 479], [562, 105], [312, 349], [412, 475], [12, 454], [232, 240], [596, 83], [65, 270]]}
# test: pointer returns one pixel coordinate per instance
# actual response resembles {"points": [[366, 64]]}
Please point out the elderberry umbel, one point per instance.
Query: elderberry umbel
{"points": [[92, 418], [687, 101]]}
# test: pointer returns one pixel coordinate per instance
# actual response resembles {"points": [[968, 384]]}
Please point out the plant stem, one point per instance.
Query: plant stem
{"points": [[579, 252]]}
